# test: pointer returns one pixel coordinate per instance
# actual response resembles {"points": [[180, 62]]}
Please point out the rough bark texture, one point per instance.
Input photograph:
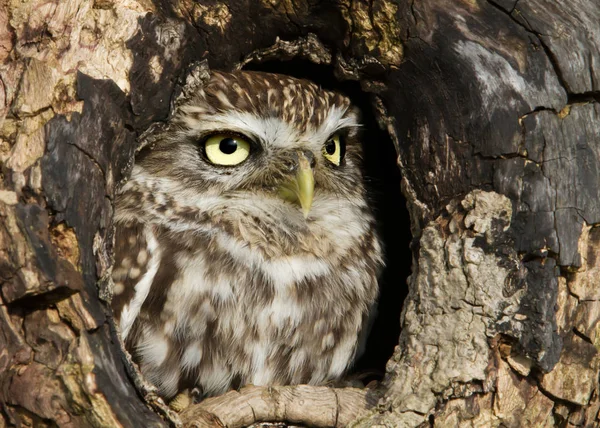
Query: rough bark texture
{"points": [[493, 107]]}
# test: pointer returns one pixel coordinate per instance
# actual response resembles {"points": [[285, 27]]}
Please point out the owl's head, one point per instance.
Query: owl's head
{"points": [[252, 136]]}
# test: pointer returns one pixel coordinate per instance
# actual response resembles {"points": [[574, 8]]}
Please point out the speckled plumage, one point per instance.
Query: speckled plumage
{"points": [[219, 282]]}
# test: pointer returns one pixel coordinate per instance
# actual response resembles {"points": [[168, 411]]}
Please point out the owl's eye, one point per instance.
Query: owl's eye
{"points": [[226, 149], [334, 149]]}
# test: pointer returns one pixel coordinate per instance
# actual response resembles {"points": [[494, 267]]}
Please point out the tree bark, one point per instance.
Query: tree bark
{"points": [[493, 108]]}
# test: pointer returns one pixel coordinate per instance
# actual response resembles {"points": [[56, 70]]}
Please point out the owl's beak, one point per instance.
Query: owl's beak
{"points": [[300, 189]]}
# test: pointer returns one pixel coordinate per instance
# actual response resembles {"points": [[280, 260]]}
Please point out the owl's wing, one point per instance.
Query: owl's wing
{"points": [[136, 263]]}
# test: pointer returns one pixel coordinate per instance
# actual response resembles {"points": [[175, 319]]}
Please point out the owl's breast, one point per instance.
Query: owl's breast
{"points": [[222, 313], [289, 323]]}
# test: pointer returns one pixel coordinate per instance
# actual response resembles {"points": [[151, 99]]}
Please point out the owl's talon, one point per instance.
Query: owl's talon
{"points": [[196, 395], [182, 401]]}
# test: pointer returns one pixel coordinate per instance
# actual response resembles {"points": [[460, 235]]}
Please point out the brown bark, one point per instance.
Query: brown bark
{"points": [[493, 108]]}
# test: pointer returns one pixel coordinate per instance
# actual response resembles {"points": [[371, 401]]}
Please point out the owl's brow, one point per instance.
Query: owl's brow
{"points": [[273, 129], [338, 118]]}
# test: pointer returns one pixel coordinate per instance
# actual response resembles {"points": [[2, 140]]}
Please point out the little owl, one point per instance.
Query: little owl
{"points": [[246, 250]]}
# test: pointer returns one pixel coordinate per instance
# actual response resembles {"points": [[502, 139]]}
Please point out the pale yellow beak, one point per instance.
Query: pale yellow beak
{"points": [[301, 188]]}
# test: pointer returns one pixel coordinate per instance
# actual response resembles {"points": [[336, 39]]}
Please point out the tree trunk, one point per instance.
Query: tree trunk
{"points": [[493, 108]]}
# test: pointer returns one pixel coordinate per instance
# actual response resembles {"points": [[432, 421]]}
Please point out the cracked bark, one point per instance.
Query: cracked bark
{"points": [[493, 109]]}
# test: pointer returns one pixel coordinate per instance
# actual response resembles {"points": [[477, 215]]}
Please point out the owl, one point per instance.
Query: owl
{"points": [[246, 251]]}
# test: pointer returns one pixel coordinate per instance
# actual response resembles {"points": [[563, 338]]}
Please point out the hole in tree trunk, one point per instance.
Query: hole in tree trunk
{"points": [[389, 206], [388, 202]]}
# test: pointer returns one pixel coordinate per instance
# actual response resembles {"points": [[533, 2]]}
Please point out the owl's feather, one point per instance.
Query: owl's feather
{"points": [[237, 286], [131, 264]]}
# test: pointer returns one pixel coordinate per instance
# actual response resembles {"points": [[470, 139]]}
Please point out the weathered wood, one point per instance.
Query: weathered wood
{"points": [[64, 149], [315, 406], [492, 107]]}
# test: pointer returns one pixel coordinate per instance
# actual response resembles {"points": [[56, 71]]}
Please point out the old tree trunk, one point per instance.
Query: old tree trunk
{"points": [[493, 107]]}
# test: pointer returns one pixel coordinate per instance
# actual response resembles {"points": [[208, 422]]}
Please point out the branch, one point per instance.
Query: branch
{"points": [[317, 406]]}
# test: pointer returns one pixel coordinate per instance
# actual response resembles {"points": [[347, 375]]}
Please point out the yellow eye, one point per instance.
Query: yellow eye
{"points": [[334, 150], [226, 149]]}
